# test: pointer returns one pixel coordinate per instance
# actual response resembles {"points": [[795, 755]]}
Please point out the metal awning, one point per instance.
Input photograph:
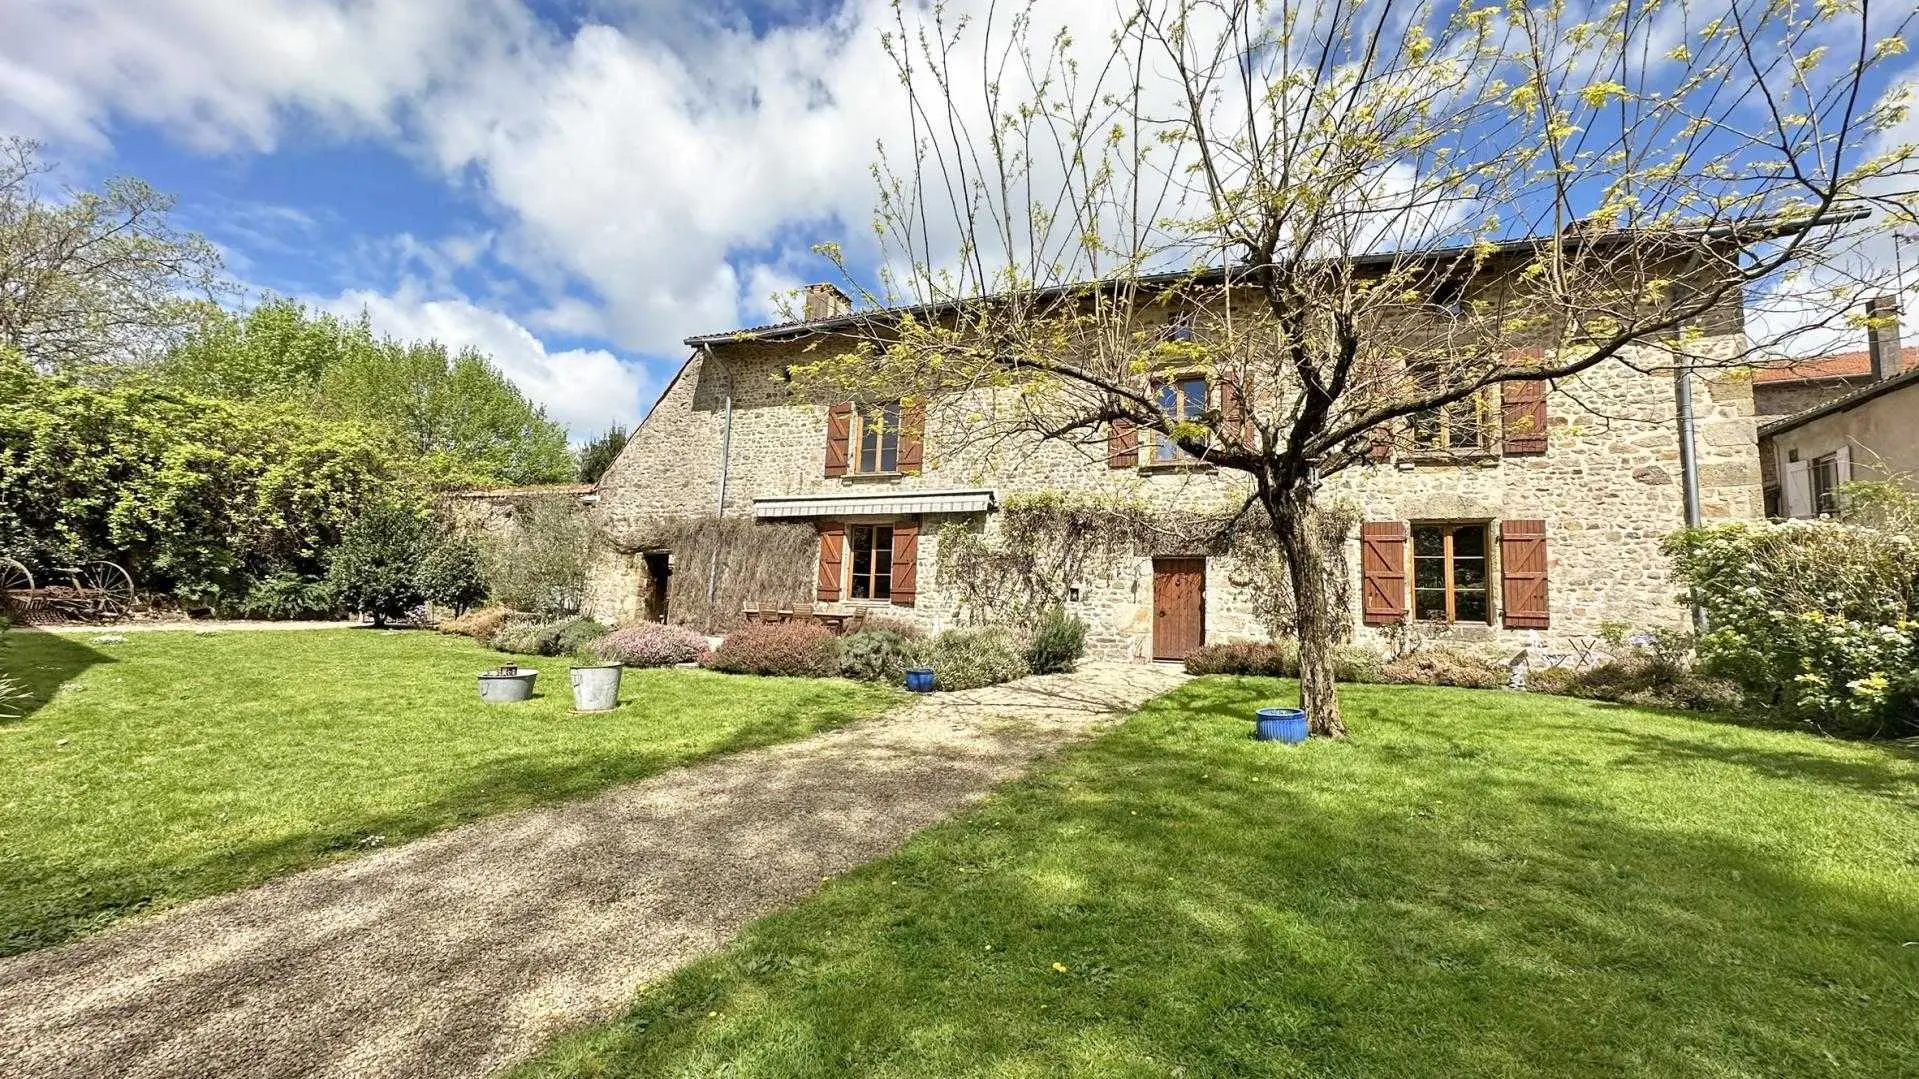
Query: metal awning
{"points": [[888, 503]]}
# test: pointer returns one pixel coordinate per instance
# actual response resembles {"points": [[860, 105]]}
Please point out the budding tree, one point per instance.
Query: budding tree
{"points": [[1354, 218]]}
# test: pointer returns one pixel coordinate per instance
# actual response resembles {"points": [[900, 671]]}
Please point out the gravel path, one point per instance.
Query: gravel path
{"points": [[465, 951]]}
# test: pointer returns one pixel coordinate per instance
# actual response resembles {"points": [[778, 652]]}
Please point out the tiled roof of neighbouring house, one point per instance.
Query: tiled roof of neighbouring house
{"points": [[1860, 396], [1835, 365]]}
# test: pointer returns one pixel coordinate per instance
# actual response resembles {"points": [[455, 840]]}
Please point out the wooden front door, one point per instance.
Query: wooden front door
{"points": [[1179, 606]]}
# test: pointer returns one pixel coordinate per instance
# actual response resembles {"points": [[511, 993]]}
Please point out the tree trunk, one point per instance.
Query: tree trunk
{"points": [[1296, 526]]}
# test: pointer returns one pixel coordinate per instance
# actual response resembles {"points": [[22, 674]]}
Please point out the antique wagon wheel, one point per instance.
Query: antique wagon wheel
{"points": [[16, 585], [108, 590]]}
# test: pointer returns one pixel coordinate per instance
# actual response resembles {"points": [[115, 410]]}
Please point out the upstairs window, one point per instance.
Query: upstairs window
{"points": [[1450, 581], [1461, 427], [872, 576], [876, 433], [1180, 399]]}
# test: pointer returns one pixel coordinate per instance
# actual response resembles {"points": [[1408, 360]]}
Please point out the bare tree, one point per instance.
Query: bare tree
{"points": [[96, 277], [1356, 219]]}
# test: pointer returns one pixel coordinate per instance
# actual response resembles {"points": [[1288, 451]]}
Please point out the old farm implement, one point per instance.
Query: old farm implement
{"points": [[90, 592]]}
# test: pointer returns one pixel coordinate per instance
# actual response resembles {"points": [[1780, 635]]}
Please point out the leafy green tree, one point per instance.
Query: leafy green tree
{"points": [[376, 567], [276, 350], [95, 277], [598, 455], [452, 574]]}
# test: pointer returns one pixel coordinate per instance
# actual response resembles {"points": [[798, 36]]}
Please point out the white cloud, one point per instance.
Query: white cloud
{"points": [[587, 390]]}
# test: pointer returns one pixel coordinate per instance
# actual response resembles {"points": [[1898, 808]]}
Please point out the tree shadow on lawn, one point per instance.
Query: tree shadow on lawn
{"points": [[1235, 908], [43, 662], [69, 903]]}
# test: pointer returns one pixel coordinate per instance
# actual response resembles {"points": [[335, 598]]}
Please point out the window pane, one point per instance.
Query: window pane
{"points": [[1469, 573], [1195, 393], [1169, 398], [1469, 542], [869, 447], [862, 536], [1429, 573], [1470, 606], [1463, 426], [1429, 541], [1429, 604]]}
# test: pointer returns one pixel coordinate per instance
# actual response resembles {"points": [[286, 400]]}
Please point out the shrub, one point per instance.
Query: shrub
{"points": [[1816, 621], [287, 596], [1444, 667], [451, 575], [1640, 680], [1058, 642], [14, 698], [579, 637], [900, 626], [878, 655], [480, 625], [539, 636], [1279, 659], [1357, 663], [652, 644], [971, 658], [796, 649], [375, 568], [539, 562]]}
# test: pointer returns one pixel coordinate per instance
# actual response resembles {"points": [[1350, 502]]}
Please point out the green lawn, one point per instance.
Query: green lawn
{"points": [[175, 766], [1478, 884]]}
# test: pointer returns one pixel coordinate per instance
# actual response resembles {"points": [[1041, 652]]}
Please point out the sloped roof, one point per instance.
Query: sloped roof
{"points": [[1840, 404], [1835, 365]]}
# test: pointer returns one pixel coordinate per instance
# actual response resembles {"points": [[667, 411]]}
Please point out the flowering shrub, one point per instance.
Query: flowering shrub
{"points": [[1277, 660], [1436, 666], [652, 644], [799, 649], [1816, 621]]}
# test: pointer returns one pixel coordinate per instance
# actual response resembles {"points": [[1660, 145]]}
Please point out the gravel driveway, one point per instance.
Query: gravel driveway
{"points": [[465, 951]]}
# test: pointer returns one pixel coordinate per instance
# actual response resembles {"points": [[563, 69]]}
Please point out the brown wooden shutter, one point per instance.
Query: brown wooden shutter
{"points": [[1379, 444], [832, 553], [1122, 445], [1235, 422], [1523, 406], [839, 432], [1522, 575], [1382, 562], [912, 455], [906, 562]]}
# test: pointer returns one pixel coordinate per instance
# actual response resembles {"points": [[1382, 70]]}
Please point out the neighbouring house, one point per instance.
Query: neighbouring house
{"points": [[1868, 432], [1796, 385], [1510, 523]]}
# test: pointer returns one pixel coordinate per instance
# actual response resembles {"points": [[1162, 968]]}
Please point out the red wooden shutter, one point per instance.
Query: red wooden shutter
{"points": [[1380, 444], [912, 455], [839, 432], [1122, 445], [1382, 562], [1523, 406], [906, 562], [832, 548], [1522, 575]]}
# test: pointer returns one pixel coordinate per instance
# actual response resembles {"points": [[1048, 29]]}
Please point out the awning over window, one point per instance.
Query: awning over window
{"points": [[889, 503]]}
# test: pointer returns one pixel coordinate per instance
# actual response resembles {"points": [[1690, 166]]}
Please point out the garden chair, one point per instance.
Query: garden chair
{"points": [[750, 612]]}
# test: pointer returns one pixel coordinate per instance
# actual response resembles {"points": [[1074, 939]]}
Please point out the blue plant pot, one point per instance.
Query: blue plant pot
{"points": [[920, 679], [1286, 725]]}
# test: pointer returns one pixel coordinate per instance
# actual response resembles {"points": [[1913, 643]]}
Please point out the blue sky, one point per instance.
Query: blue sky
{"points": [[571, 185]]}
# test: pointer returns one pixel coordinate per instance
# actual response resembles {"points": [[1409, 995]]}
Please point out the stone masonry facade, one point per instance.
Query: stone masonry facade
{"points": [[1608, 488]]}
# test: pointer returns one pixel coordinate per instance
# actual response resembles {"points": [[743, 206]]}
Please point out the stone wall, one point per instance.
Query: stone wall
{"points": [[1608, 488]]}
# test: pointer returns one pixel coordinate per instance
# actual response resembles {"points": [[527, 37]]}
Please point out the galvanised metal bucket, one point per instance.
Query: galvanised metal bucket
{"points": [[503, 687], [596, 689]]}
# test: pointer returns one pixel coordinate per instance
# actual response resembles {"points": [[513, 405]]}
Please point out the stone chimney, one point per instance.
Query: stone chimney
{"points": [[825, 300], [1882, 337]]}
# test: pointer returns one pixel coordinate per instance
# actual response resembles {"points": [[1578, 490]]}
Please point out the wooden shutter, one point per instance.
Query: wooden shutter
{"points": [[912, 454], [839, 432], [1235, 420], [1382, 562], [1798, 502], [832, 553], [906, 562], [1523, 407], [1122, 445], [1379, 444], [1522, 575]]}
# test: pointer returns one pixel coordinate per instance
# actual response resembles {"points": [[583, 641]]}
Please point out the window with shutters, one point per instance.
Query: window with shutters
{"points": [[1461, 427], [871, 559], [1180, 399], [1823, 472], [876, 436], [1450, 578]]}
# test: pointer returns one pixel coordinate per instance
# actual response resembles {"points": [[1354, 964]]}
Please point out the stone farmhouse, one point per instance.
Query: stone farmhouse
{"points": [[1530, 518]]}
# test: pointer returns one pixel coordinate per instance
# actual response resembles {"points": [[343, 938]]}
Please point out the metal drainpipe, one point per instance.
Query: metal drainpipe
{"points": [[1688, 467], [719, 502]]}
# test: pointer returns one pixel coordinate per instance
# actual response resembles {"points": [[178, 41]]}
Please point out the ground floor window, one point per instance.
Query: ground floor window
{"points": [[872, 561], [1450, 579], [1824, 476]]}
